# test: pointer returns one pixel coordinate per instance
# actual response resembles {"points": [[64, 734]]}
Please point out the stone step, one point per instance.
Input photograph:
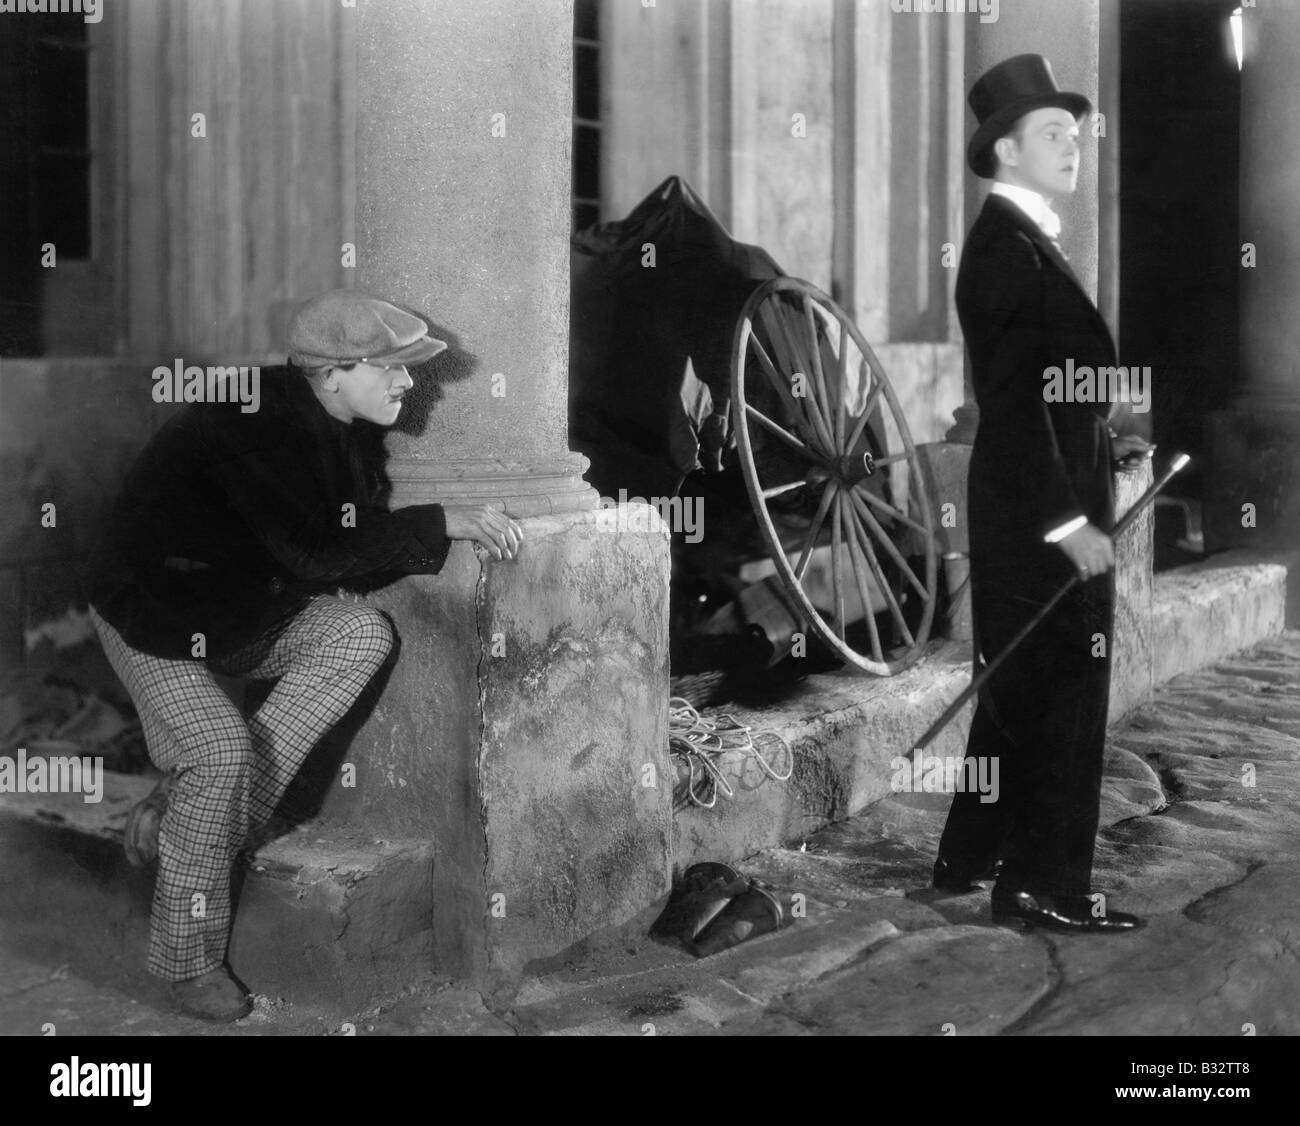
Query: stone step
{"points": [[326, 921], [845, 730]]}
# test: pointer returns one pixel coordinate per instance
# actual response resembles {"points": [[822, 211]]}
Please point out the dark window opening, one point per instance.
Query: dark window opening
{"points": [[62, 92], [586, 113]]}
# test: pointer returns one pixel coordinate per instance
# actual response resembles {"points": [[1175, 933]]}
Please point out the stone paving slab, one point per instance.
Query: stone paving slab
{"points": [[921, 984]]}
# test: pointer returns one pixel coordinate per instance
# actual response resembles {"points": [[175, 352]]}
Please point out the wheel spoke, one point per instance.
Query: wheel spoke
{"points": [[862, 420], [801, 417], [892, 459], [879, 573], [837, 596], [818, 520], [790, 355], [876, 530], [864, 591], [785, 345], [823, 402], [780, 490], [842, 389], [895, 514], [780, 431]]}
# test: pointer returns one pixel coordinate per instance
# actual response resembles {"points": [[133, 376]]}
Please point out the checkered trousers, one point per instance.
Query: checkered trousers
{"points": [[229, 774]]}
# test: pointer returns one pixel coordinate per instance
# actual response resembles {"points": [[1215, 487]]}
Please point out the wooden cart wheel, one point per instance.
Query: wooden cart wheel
{"points": [[833, 474]]}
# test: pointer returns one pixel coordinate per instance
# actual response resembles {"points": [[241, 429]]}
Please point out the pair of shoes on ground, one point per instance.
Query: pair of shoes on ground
{"points": [[214, 996], [714, 907]]}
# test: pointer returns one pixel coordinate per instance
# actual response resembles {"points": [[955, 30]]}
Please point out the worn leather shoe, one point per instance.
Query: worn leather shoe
{"points": [[214, 996], [1067, 914], [949, 878]]}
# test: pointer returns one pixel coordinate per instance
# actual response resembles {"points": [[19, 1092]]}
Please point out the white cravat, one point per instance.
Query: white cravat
{"points": [[1033, 205]]}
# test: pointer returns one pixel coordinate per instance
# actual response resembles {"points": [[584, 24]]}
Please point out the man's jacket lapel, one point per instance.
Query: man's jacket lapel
{"points": [[1034, 232]]}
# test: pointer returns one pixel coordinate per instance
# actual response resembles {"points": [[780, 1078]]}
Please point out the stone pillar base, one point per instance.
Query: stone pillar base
{"points": [[523, 732], [532, 489], [1254, 460]]}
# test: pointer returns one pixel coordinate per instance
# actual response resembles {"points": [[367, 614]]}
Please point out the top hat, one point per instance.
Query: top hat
{"points": [[347, 326], [1003, 95]]}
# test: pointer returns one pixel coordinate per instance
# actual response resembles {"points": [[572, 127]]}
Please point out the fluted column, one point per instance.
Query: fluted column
{"points": [[463, 175]]}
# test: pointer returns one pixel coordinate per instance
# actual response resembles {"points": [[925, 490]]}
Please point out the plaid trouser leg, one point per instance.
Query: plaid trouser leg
{"points": [[193, 729], [322, 661], [226, 768]]}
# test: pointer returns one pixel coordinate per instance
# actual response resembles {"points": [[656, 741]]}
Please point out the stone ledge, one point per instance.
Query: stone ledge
{"points": [[1206, 611], [845, 729]]}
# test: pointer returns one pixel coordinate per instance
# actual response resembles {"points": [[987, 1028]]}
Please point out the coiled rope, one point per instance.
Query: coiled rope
{"points": [[700, 742]]}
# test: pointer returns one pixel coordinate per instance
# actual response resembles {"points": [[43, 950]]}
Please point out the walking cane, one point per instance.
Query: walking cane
{"points": [[1179, 463]]}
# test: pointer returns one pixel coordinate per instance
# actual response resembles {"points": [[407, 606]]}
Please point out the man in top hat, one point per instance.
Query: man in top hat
{"points": [[1041, 507], [225, 552]]}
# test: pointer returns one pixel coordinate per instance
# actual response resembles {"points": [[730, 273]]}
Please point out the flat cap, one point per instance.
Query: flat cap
{"points": [[346, 326]]}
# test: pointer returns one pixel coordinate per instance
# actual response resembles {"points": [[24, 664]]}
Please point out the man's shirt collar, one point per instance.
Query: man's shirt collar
{"points": [[1033, 205]]}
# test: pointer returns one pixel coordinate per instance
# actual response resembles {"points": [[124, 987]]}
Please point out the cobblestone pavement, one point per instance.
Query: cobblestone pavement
{"points": [[1201, 816]]}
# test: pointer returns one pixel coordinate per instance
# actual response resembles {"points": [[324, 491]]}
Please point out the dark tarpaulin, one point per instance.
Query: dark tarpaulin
{"points": [[650, 346]]}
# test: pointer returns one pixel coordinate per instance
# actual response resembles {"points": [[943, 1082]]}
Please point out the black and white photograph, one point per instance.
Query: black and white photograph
{"points": [[650, 518]]}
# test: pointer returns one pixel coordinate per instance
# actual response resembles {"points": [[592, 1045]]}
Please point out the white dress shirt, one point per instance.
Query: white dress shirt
{"points": [[1049, 222]]}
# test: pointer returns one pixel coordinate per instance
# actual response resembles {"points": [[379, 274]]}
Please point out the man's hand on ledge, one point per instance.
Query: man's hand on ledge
{"points": [[1130, 451], [500, 535], [1090, 550]]}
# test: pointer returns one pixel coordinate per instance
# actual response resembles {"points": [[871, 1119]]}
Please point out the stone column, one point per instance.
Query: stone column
{"points": [[1253, 490], [463, 151], [514, 758]]}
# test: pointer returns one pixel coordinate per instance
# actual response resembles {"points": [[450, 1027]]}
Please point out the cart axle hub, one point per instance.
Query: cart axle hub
{"points": [[850, 470]]}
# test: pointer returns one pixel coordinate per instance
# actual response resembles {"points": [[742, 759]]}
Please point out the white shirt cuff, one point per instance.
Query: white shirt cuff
{"points": [[1056, 535]]}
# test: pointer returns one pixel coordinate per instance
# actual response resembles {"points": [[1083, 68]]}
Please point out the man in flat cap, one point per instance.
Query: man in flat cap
{"points": [[1041, 507], [225, 553]]}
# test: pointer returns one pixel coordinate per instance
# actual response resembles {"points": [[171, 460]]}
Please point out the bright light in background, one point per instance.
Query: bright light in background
{"points": [[1234, 21]]}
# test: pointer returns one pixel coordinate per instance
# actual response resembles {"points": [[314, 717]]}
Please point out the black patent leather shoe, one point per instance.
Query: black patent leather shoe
{"points": [[1066, 914], [947, 877]]}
